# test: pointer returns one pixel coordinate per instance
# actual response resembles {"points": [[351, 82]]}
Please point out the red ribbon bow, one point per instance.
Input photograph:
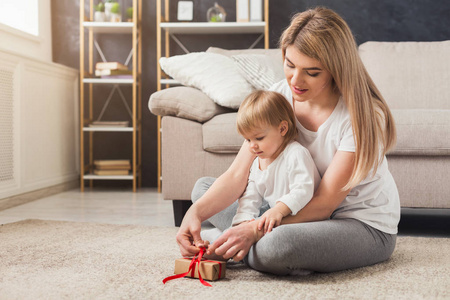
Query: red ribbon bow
{"points": [[195, 261]]}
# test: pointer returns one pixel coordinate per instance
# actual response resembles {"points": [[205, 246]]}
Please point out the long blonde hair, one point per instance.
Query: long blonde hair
{"points": [[323, 35], [266, 108]]}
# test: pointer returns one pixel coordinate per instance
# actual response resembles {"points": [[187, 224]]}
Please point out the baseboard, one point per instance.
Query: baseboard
{"points": [[37, 194]]}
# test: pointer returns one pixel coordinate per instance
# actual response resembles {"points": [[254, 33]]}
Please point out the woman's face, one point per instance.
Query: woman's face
{"points": [[306, 77]]}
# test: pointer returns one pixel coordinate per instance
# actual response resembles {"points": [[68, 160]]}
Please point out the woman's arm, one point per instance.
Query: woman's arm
{"points": [[329, 195], [224, 191], [236, 241], [228, 187]]}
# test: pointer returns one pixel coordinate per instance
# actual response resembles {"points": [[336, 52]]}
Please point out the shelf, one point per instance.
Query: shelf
{"points": [[107, 81], [110, 27], [109, 129], [126, 87], [213, 28], [107, 177], [170, 81]]}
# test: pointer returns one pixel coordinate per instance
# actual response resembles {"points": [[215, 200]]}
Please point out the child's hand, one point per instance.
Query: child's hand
{"points": [[272, 218]]}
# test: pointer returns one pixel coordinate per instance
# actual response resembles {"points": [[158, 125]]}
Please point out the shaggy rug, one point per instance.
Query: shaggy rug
{"points": [[67, 260]]}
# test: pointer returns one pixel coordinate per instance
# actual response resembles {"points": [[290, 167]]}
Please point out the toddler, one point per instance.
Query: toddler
{"points": [[283, 173]]}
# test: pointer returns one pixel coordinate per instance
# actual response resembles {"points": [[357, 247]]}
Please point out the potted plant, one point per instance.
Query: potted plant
{"points": [[99, 15], [115, 13], [130, 14]]}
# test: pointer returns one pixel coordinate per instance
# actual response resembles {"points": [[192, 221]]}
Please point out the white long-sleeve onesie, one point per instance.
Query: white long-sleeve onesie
{"points": [[291, 178]]}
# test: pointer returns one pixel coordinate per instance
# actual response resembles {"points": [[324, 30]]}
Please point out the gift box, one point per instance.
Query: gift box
{"points": [[209, 269]]}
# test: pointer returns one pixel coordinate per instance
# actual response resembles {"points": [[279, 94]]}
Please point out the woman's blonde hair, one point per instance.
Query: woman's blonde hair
{"points": [[266, 108], [323, 35]]}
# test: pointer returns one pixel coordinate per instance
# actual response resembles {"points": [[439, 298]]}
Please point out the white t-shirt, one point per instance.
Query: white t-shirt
{"points": [[291, 178], [375, 201]]}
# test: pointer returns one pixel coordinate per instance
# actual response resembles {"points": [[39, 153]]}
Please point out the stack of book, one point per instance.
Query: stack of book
{"points": [[112, 167], [112, 70], [109, 124]]}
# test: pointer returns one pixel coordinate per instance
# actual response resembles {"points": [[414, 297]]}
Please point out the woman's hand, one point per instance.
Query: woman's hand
{"points": [[224, 191], [236, 241], [188, 236]]}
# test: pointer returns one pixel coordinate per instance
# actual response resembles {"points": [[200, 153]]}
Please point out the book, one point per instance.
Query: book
{"points": [[256, 10], [111, 172], [242, 10], [112, 72], [109, 162], [110, 66], [109, 124], [113, 167]]}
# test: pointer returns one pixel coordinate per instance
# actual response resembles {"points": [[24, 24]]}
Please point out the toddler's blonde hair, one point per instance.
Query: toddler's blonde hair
{"points": [[266, 108]]}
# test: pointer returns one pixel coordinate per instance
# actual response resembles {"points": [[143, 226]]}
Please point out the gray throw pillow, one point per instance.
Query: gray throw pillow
{"points": [[184, 102]]}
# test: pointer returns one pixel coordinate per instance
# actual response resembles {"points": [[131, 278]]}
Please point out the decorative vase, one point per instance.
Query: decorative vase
{"points": [[99, 16], [216, 14]]}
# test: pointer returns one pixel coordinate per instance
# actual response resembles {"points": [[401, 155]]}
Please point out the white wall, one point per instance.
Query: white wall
{"points": [[43, 98]]}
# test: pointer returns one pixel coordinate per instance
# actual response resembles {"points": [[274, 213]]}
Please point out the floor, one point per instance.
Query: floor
{"points": [[114, 206], [147, 207]]}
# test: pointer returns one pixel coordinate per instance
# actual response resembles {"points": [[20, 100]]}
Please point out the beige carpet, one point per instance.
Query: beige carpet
{"points": [[66, 260]]}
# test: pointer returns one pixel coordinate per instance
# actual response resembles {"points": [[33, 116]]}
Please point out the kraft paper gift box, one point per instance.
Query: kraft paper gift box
{"points": [[209, 269]]}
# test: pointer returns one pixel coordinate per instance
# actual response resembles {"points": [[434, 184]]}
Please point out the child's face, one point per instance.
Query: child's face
{"points": [[266, 142]]}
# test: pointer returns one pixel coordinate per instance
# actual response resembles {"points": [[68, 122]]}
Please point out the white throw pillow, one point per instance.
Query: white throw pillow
{"points": [[261, 71], [215, 75]]}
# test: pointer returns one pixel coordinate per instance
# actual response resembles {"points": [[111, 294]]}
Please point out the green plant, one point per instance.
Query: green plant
{"points": [[129, 12], [100, 7], [115, 9]]}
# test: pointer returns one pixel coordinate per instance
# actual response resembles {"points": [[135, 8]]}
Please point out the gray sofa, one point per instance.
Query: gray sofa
{"points": [[199, 136]]}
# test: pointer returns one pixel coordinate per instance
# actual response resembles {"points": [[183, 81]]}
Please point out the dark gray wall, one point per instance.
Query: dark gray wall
{"points": [[381, 20]]}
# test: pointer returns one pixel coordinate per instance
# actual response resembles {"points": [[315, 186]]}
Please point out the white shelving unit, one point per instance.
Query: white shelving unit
{"points": [[109, 27], [171, 29], [109, 129], [214, 28], [87, 82]]}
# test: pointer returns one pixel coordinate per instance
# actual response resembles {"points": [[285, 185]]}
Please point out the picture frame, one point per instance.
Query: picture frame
{"points": [[185, 11]]}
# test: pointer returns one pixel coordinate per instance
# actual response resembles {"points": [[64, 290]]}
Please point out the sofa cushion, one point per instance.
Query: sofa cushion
{"points": [[419, 132], [410, 75], [184, 102], [214, 74], [220, 134], [422, 132]]}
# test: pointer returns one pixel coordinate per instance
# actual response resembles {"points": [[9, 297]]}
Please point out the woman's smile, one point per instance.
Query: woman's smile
{"points": [[298, 90]]}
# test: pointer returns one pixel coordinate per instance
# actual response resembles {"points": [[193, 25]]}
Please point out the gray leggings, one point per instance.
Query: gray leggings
{"points": [[324, 246]]}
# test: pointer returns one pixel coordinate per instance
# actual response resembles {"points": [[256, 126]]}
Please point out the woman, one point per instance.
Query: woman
{"points": [[351, 220]]}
